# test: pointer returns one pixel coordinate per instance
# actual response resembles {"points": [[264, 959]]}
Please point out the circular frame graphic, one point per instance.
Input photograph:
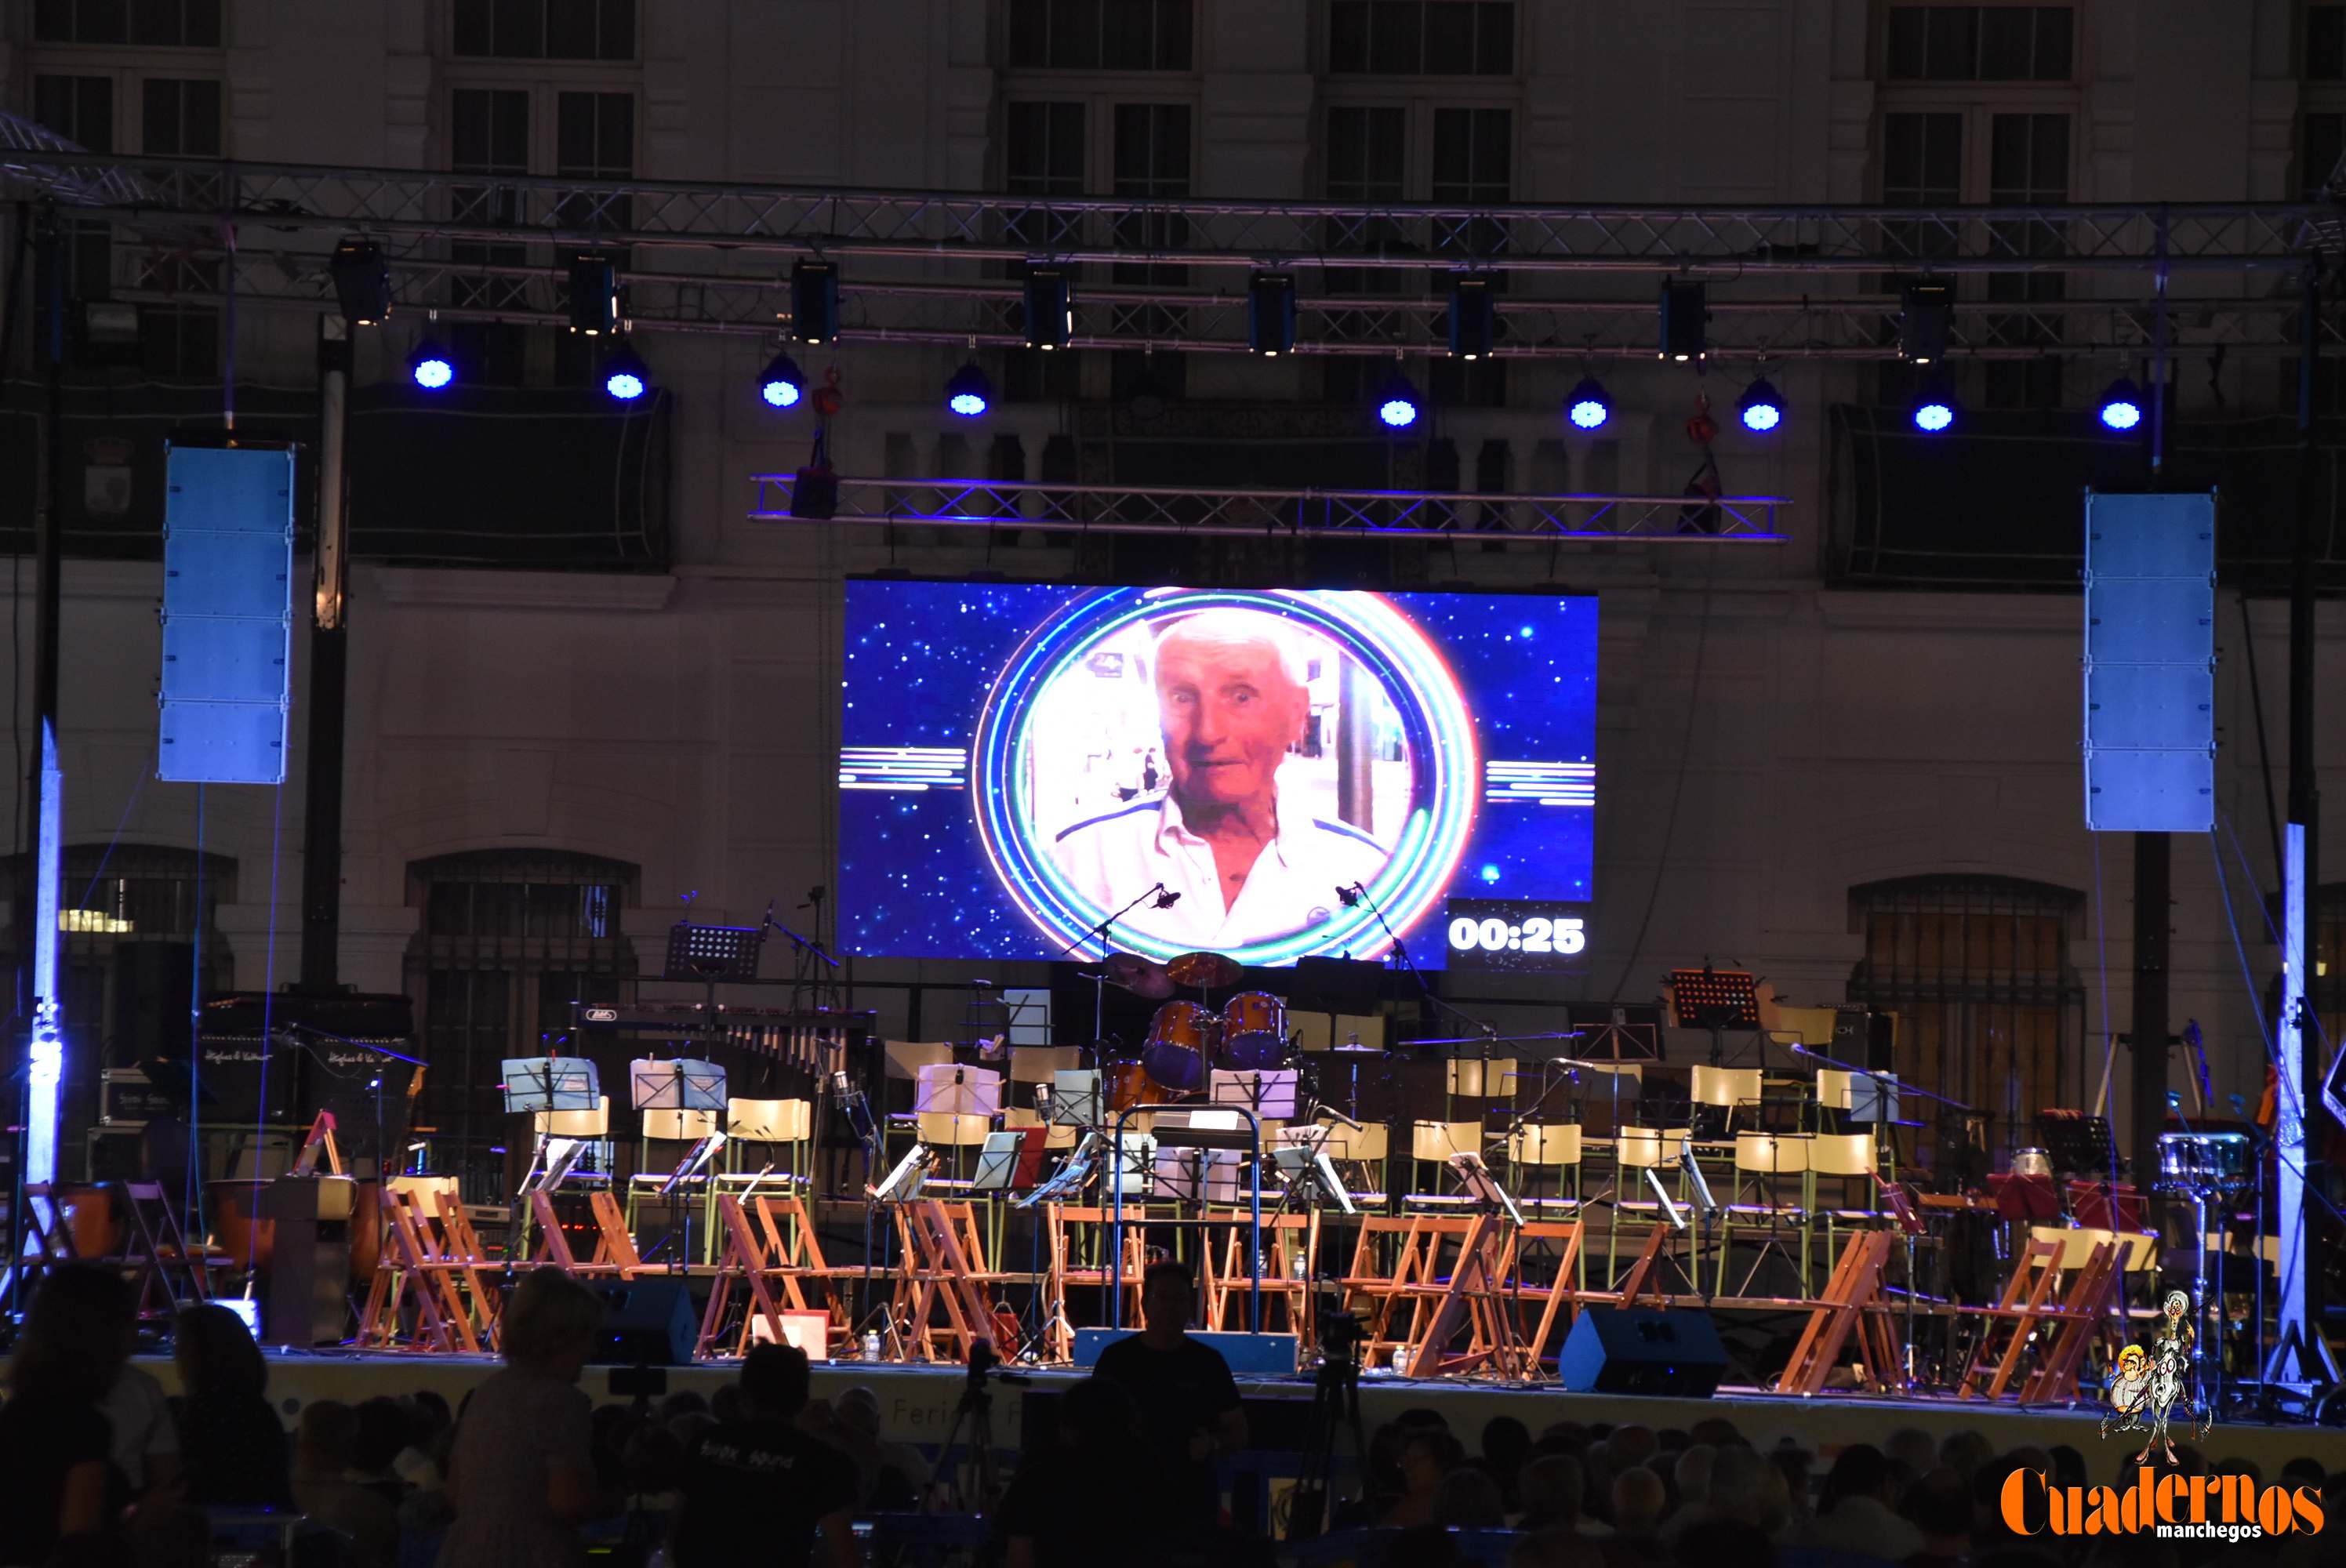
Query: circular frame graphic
{"points": [[1445, 762]]}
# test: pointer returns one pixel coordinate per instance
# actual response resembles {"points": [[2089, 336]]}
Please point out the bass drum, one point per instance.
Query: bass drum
{"points": [[1254, 1031], [1181, 1041]]}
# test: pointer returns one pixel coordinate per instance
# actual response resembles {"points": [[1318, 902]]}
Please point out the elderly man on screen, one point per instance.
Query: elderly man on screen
{"points": [[1249, 863]]}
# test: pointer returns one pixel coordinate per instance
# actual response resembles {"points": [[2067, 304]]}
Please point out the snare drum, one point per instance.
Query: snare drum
{"points": [[1254, 1031], [2031, 1163], [2192, 1162], [1124, 1085], [1181, 1041]]}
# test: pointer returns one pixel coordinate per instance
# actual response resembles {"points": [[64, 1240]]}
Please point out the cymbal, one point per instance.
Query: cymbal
{"points": [[1130, 972], [1207, 971], [1356, 1050]]}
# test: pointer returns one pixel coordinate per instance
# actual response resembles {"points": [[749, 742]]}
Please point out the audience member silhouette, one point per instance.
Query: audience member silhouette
{"points": [[232, 1443]]}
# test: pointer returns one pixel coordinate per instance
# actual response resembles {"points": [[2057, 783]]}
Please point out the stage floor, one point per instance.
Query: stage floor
{"points": [[918, 1404]]}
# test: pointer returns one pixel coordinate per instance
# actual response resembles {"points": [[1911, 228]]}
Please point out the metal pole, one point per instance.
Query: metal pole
{"points": [[2299, 1354], [37, 919], [322, 827], [2153, 879]]}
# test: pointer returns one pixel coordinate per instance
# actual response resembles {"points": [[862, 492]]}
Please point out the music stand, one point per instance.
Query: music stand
{"points": [[2075, 1144], [712, 953], [904, 1183], [1717, 1000], [1482, 1188], [1075, 1097], [677, 1085], [1269, 1093], [1307, 1170], [550, 1084], [997, 1161]]}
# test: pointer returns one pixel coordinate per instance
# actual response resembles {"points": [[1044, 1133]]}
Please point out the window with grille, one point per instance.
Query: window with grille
{"points": [[1981, 44], [153, 24], [508, 940], [1101, 35], [544, 29], [2028, 166], [1045, 154], [1977, 970], [181, 117], [594, 138], [488, 134], [81, 109], [1421, 37]]}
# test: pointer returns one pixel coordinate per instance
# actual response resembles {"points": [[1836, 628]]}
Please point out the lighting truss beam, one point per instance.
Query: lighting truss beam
{"points": [[1203, 320], [1252, 235], [1254, 513]]}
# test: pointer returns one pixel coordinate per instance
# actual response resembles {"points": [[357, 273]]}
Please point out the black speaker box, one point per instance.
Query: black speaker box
{"points": [[648, 1323], [1642, 1350]]}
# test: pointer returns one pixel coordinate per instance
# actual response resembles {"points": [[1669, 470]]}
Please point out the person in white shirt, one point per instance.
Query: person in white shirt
{"points": [[1246, 863]]}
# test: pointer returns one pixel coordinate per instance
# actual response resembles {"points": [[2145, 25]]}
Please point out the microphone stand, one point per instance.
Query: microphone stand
{"points": [[1101, 933]]}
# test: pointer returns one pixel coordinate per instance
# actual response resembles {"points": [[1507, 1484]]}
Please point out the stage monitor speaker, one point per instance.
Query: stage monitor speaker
{"points": [[154, 1001], [648, 1323], [1642, 1350], [228, 613], [2150, 663]]}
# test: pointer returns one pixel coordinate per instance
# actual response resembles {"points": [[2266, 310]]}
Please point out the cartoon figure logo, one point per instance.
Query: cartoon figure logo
{"points": [[2149, 1384]]}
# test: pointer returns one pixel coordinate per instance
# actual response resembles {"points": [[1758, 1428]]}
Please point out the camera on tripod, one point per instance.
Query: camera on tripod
{"points": [[982, 1358], [1340, 1335]]}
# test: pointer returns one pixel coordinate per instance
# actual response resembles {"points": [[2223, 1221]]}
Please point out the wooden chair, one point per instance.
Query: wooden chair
{"points": [[1064, 1273], [742, 1263], [1853, 1300], [1291, 1263], [2015, 1315]]}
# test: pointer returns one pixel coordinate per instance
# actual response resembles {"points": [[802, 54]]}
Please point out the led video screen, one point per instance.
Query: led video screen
{"points": [[1021, 765]]}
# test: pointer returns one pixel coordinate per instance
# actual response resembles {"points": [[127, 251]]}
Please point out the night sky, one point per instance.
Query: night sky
{"points": [[922, 658]]}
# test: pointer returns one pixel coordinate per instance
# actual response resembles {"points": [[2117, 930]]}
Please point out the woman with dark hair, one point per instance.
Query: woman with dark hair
{"points": [[1853, 1511], [522, 1476], [54, 1440], [233, 1448]]}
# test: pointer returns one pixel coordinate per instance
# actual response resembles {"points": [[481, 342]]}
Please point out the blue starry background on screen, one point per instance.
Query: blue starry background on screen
{"points": [[913, 880], [1527, 667]]}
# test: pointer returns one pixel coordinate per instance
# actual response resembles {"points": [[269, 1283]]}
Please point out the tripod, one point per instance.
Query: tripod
{"points": [[976, 1408], [1335, 1409]]}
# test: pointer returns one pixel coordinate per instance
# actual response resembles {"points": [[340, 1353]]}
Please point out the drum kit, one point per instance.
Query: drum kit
{"points": [[1187, 1039]]}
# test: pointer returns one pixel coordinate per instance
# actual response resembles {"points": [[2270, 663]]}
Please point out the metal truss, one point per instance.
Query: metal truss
{"points": [[1277, 513], [978, 227], [1198, 321]]}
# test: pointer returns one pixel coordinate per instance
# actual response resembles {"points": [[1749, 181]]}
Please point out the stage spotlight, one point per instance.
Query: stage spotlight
{"points": [[1471, 323], [1050, 317], [1922, 324], [1762, 410], [1684, 309], [594, 297], [624, 375], [430, 367], [361, 282], [1934, 411], [814, 301], [1271, 314], [1397, 403], [967, 392], [1586, 406], [2121, 406], [781, 386]]}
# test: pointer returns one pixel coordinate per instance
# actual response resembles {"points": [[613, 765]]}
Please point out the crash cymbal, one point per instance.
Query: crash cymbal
{"points": [[1356, 1050], [1130, 972], [1206, 970]]}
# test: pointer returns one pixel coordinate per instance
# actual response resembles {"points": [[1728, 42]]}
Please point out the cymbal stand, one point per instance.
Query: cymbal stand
{"points": [[1103, 934]]}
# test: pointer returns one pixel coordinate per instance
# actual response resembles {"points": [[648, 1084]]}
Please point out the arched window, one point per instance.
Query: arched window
{"points": [[132, 920], [1977, 968], [509, 939]]}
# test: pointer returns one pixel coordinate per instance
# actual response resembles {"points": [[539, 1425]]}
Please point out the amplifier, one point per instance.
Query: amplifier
{"points": [[126, 1097], [1249, 1355], [1641, 1350]]}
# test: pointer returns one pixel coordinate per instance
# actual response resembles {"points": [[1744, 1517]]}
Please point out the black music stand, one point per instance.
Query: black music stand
{"points": [[1717, 1000], [550, 1084], [679, 1085]]}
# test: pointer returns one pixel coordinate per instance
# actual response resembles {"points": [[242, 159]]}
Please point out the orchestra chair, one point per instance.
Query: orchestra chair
{"points": [[1059, 1138], [2138, 1255], [1471, 1078], [1361, 1155], [1550, 1145], [1762, 1161], [595, 1124], [1728, 1088], [1636, 1150], [665, 1137], [1433, 1144], [1850, 1158], [901, 1063], [1036, 1063], [757, 1134], [955, 1130]]}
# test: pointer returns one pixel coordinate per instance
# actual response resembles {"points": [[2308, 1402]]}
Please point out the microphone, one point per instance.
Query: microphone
{"points": [[1166, 898], [1350, 896]]}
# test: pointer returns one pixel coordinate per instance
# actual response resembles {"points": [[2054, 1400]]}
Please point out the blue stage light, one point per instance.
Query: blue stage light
{"points": [[1397, 403], [1586, 406], [1762, 410], [624, 375], [2121, 407], [431, 366], [967, 392], [781, 386], [1934, 411]]}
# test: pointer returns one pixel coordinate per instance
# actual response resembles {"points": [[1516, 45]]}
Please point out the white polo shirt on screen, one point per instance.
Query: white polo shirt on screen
{"points": [[1113, 858]]}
